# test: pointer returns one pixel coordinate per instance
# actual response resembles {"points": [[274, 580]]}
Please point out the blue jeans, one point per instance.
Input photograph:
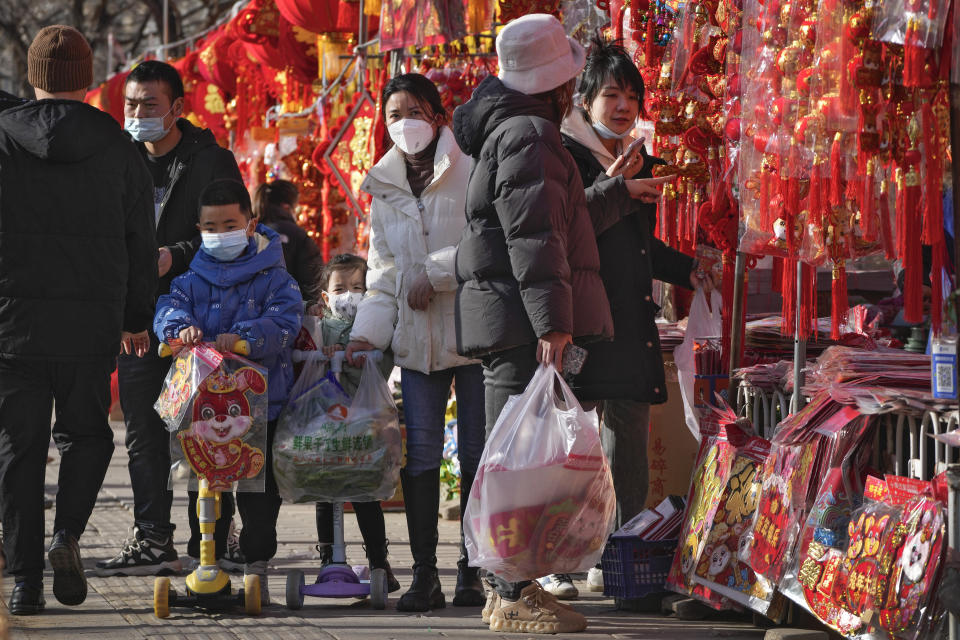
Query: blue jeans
{"points": [[424, 405]]}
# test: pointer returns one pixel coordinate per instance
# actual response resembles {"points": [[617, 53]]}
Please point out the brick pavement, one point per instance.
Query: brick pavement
{"points": [[121, 608]]}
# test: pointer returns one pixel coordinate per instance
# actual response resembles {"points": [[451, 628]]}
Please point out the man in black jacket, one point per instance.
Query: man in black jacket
{"points": [[76, 275], [182, 159]]}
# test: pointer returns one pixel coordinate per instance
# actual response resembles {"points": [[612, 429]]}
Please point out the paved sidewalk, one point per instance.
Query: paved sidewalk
{"points": [[122, 608]]}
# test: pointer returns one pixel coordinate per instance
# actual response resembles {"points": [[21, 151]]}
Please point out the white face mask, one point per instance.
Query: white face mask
{"points": [[147, 129], [411, 135], [225, 246], [344, 305], [606, 132]]}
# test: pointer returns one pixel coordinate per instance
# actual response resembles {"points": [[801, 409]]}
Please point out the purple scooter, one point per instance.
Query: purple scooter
{"points": [[337, 579]]}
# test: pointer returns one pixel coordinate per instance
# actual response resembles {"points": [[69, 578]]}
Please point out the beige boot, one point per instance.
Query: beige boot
{"points": [[536, 612], [493, 603]]}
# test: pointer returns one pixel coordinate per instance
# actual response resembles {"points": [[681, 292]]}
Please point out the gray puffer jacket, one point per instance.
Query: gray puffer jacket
{"points": [[527, 263]]}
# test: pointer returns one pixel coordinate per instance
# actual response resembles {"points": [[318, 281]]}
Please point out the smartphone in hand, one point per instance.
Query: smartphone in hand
{"points": [[573, 359]]}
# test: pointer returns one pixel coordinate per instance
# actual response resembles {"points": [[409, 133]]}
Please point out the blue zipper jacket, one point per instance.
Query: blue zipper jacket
{"points": [[252, 296]]}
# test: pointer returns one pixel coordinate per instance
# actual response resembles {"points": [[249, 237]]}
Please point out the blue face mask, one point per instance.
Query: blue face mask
{"points": [[606, 132], [225, 246], [147, 129]]}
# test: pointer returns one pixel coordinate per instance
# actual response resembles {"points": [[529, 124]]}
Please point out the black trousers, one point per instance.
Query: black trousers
{"points": [[28, 391], [148, 441], [507, 373], [259, 511]]}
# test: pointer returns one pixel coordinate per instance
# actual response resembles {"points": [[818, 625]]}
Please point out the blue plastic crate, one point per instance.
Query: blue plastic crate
{"points": [[633, 568]]}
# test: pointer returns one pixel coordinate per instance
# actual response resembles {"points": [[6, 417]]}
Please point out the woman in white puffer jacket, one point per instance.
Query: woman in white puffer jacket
{"points": [[416, 220]]}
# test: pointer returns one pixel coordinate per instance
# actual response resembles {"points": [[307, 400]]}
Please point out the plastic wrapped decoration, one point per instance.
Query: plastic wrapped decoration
{"points": [[873, 542], [919, 26], [721, 568], [420, 23], [782, 506], [189, 369], [331, 448], [707, 483], [915, 570], [822, 545], [221, 402]]}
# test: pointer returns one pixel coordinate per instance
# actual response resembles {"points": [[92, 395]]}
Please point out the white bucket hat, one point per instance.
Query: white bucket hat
{"points": [[536, 55]]}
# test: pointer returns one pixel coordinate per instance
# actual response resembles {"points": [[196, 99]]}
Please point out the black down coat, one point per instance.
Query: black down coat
{"points": [[78, 262], [527, 263], [199, 161], [631, 256]]}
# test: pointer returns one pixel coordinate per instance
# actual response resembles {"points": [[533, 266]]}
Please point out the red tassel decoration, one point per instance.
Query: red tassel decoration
{"points": [[836, 172], [914, 54], [650, 37], [886, 231], [936, 287], [726, 293], [765, 197], [868, 204], [839, 302], [909, 226], [789, 288], [816, 187], [932, 198]]}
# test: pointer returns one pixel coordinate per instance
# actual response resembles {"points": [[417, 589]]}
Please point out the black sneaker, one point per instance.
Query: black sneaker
{"points": [[142, 555], [27, 599], [232, 559], [69, 582]]}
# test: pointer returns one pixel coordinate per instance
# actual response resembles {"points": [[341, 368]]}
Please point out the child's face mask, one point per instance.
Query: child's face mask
{"points": [[225, 246], [344, 305]]}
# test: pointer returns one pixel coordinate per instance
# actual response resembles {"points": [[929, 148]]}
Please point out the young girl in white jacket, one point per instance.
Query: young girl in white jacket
{"points": [[416, 219]]}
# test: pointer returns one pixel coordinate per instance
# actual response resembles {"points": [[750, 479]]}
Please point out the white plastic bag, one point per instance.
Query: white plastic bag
{"points": [[542, 501], [703, 322], [329, 448]]}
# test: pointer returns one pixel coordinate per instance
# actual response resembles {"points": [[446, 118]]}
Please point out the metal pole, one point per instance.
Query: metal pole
{"points": [[953, 536], [166, 24], [799, 347], [736, 321]]}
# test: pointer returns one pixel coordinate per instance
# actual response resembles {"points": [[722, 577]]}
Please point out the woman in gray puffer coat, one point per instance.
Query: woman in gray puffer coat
{"points": [[527, 263]]}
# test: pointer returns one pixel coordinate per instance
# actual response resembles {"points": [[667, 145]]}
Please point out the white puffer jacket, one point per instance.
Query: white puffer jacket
{"points": [[407, 236]]}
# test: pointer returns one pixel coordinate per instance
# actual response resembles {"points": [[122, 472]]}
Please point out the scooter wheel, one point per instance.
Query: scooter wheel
{"points": [[378, 589], [295, 582], [161, 597], [251, 594]]}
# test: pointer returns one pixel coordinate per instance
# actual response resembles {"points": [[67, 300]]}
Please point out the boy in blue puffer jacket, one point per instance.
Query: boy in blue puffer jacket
{"points": [[237, 288]]}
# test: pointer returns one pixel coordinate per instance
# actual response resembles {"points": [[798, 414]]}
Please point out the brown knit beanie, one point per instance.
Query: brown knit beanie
{"points": [[59, 59]]}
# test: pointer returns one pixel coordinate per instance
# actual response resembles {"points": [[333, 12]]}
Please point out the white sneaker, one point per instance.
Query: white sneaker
{"points": [[595, 579], [259, 568], [560, 586]]}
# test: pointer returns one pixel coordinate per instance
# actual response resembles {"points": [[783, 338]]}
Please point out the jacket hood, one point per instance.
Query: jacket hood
{"points": [[576, 127], [490, 106], [264, 251], [63, 131], [391, 170]]}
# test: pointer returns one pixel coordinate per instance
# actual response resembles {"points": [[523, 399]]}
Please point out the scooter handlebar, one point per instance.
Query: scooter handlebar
{"points": [[240, 347]]}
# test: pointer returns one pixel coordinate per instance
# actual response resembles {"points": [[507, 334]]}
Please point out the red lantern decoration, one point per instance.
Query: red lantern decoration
{"points": [[318, 16], [214, 62], [299, 49]]}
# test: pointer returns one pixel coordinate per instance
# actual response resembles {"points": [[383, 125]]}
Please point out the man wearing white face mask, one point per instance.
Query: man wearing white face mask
{"points": [[182, 160]]}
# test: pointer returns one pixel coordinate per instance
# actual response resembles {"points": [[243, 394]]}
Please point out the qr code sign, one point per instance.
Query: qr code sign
{"points": [[945, 377]]}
